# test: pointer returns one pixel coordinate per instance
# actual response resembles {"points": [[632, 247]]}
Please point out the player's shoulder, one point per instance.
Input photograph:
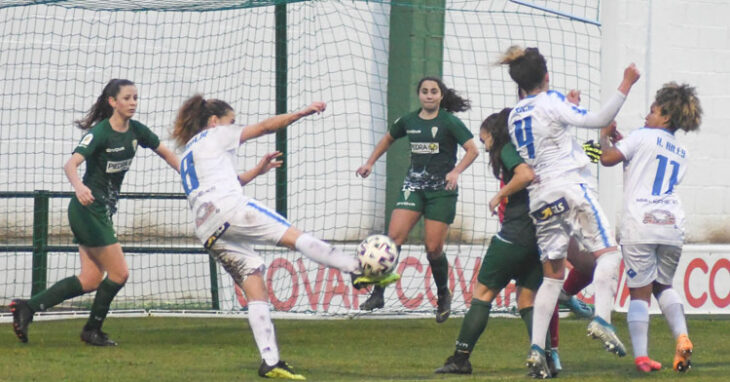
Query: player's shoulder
{"points": [[555, 95], [137, 125]]}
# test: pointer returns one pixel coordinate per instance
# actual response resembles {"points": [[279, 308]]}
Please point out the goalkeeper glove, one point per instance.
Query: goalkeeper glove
{"points": [[593, 150]]}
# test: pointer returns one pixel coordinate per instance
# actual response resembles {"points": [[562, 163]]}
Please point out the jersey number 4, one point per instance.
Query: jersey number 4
{"points": [[523, 135], [187, 172], [659, 178]]}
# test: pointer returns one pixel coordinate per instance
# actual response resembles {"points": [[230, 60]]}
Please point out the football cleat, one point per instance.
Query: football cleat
{"points": [[578, 307], [360, 281], [456, 364], [375, 301], [602, 330], [443, 306], [281, 370], [537, 363], [553, 361], [96, 337], [645, 364], [683, 353], [22, 317]]}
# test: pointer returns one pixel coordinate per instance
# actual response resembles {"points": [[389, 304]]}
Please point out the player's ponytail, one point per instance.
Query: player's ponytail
{"points": [[527, 67], [496, 126], [451, 101], [681, 105], [101, 109], [193, 116]]}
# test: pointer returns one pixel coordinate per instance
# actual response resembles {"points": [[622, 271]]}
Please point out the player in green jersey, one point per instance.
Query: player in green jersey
{"points": [[108, 148], [430, 187]]}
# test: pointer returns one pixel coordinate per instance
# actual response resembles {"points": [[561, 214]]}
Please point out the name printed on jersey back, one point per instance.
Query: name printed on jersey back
{"points": [[671, 147], [196, 138]]}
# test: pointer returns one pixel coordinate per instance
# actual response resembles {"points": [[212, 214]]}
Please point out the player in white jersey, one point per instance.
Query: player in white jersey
{"points": [[652, 228], [228, 223], [562, 204]]}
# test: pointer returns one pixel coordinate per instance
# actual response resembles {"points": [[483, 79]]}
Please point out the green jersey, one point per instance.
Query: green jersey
{"points": [[109, 155], [433, 147], [517, 226]]}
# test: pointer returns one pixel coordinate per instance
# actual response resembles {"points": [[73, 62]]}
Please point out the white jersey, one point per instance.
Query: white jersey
{"points": [[539, 129], [655, 163], [210, 179]]}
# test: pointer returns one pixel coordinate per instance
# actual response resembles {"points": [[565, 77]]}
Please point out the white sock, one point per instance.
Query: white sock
{"points": [[671, 305], [545, 300], [326, 254], [605, 279], [638, 320], [259, 318]]}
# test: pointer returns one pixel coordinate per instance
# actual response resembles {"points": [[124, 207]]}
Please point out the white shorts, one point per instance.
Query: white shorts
{"points": [[251, 224], [646, 263], [569, 211]]}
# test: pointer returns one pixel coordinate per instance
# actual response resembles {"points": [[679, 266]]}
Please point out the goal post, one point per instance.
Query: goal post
{"points": [[56, 57]]}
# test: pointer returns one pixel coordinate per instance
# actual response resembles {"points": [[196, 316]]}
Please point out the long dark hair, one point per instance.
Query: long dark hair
{"points": [[193, 117], [101, 109], [496, 126], [527, 67], [451, 101]]}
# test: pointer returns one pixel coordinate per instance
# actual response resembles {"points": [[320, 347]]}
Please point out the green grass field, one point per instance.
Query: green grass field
{"points": [[174, 349]]}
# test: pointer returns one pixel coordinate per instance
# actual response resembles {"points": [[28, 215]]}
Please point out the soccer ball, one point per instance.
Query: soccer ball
{"points": [[378, 255]]}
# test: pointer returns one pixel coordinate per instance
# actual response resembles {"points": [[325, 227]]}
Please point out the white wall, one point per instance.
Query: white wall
{"points": [[687, 42]]}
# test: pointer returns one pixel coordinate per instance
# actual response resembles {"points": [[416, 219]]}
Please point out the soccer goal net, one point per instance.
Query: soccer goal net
{"points": [[56, 57]]}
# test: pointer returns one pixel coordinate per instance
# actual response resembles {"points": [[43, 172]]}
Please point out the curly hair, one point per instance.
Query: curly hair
{"points": [[496, 126], [681, 105], [451, 101], [527, 67]]}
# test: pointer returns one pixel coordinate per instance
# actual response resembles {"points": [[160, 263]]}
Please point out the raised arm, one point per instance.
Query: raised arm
{"points": [[165, 153], [452, 178], [83, 193], [382, 146], [523, 176], [265, 164], [280, 121]]}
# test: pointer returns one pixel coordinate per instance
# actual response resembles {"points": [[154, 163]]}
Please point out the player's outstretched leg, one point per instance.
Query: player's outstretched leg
{"points": [[537, 363], [682, 354], [22, 317], [280, 370], [456, 364], [602, 330], [645, 364]]}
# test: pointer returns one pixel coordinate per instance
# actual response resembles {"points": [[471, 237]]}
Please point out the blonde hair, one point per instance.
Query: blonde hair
{"points": [[681, 105]]}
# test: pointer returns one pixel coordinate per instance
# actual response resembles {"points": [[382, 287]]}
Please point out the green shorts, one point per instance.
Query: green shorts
{"points": [[90, 225], [505, 261], [435, 205]]}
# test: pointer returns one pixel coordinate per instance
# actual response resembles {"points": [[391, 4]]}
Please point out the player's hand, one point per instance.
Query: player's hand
{"points": [[615, 137], [269, 161], [364, 170], [593, 151], [631, 74], [314, 107], [84, 195], [573, 97], [494, 203], [452, 180]]}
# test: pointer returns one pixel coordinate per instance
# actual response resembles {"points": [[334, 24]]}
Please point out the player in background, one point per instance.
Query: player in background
{"points": [[652, 227], [561, 203], [229, 223], [430, 187], [108, 148], [512, 253]]}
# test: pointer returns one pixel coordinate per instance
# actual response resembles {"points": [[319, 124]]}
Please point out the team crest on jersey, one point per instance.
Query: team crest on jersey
{"points": [[86, 140], [553, 209], [434, 131], [659, 217], [425, 147]]}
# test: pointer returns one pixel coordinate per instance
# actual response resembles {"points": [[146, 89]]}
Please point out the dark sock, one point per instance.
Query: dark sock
{"points": [[475, 321], [62, 290], [554, 328], [576, 281], [99, 309], [378, 290], [440, 270], [526, 315]]}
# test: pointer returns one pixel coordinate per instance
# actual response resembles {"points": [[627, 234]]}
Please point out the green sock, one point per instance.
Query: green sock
{"points": [[526, 315], [99, 309], [440, 270], [62, 290], [475, 321]]}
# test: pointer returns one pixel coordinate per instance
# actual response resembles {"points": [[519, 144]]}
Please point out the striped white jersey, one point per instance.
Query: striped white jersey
{"points": [[209, 177], [655, 163]]}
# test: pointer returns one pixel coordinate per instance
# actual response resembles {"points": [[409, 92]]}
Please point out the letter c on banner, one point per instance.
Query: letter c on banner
{"points": [[695, 302], [284, 264], [719, 302]]}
